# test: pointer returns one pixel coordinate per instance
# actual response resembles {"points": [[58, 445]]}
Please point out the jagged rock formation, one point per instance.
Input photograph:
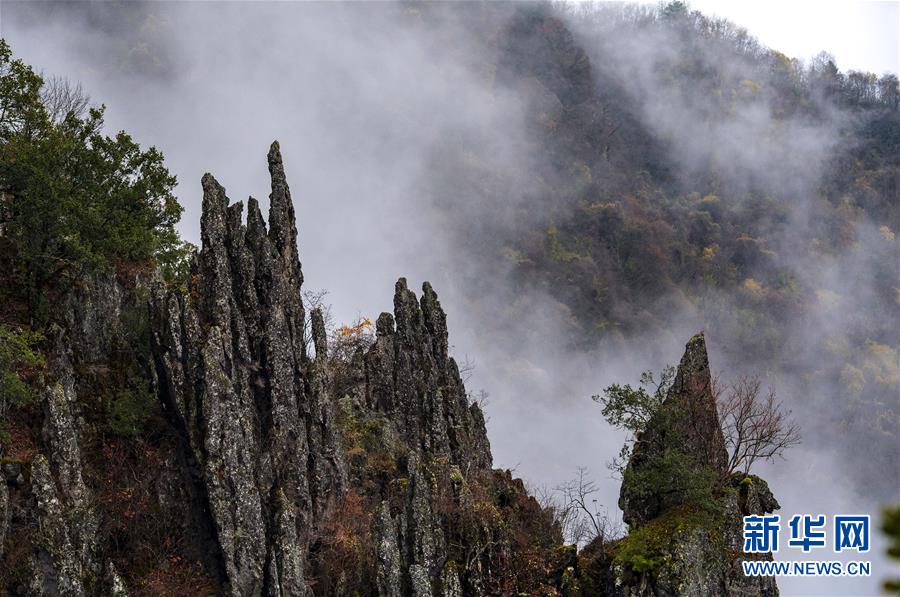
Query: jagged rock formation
{"points": [[685, 533], [232, 364], [207, 440], [65, 540], [273, 452], [444, 522], [250, 453]]}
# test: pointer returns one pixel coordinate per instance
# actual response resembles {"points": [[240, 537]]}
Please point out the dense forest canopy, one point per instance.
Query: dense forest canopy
{"points": [[688, 169]]}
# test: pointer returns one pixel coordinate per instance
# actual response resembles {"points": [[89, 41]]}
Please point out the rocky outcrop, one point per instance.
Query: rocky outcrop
{"points": [[412, 379], [213, 439], [67, 558], [685, 514], [233, 365], [216, 439], [232, 362], [418, 452], [684, 436]]}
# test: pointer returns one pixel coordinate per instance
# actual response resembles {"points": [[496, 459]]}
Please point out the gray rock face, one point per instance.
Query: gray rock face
{"points": [[702, 552], [389, 572], [68, 559], [58, 570], [412, 382], [233, 363], [93, 314], [49, 513], [691, 392], [412, 379]]}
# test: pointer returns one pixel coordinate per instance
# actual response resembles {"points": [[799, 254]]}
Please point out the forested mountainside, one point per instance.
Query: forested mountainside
{"points": [[176, 420], [680, 170]]}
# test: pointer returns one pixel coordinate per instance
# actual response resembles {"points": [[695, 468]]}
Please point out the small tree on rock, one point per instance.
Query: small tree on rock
{"points": [[755, 424]]}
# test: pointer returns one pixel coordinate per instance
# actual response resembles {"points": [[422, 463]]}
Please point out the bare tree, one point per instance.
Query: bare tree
{"points": [[315, 299], [479, 397], [577, 512], [755, 425], [466, 369], [60, 98]]}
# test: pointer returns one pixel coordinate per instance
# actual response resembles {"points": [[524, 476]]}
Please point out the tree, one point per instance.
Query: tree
{"points": [[61, 98], [824, 76], [755, 425], [675, 10], [889, 91], [574, 507], [631, 409], [860, 87], [78, 200], [21, 110]]}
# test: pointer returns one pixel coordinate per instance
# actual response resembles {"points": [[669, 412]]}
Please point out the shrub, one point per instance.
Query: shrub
{"points": [[129, 408], [631, 408], [18, 360], [644, 548]]}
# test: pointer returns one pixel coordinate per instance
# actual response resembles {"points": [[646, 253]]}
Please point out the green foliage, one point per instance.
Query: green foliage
{"points": [[18, 354], [175, 262], [129, 408], [675, 10], [21, 111], [667, 478], [644, 549], [631, 408], [80, 200], [891, 528]]}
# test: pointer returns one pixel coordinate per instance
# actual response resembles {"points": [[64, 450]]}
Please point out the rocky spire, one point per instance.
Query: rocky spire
{"points": [[282, 224], [411, 375], [256, 410], [676, 490], [684, 436], [692, 393]]}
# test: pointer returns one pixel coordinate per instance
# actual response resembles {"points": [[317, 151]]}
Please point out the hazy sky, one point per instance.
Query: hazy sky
{"points": [[861, 34]]}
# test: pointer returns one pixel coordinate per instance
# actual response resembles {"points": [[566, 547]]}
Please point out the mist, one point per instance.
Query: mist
{"points": [[366, 98]]}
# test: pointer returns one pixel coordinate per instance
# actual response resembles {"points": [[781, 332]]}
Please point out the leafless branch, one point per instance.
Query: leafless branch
{"points": [[755, 424], [316, 299], [60, 97], [466, 368], [577, 511]]}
